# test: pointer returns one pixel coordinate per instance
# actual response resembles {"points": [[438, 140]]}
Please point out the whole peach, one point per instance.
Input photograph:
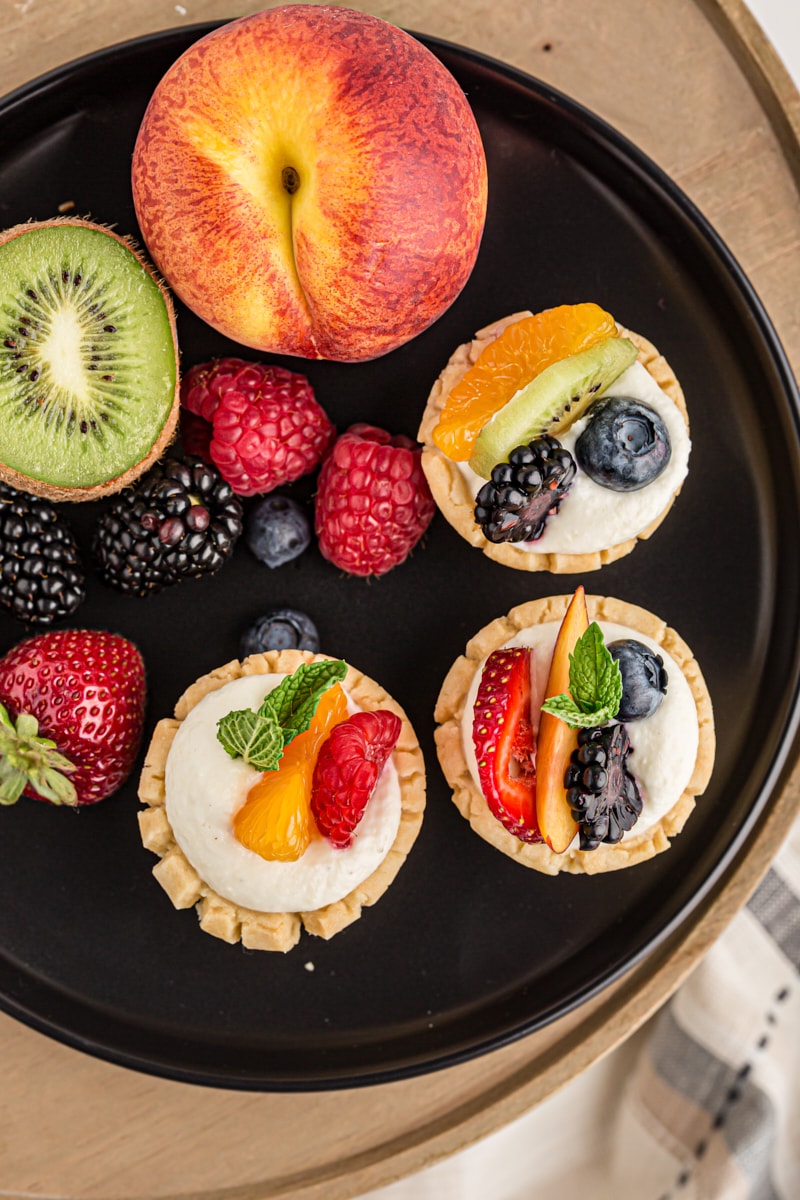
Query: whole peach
{"points": [[310, 180]]}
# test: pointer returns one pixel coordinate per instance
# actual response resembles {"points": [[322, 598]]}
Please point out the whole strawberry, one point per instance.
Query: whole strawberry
{"points": [[347, 770], [267, 427], [373, 501], [71, 716]]}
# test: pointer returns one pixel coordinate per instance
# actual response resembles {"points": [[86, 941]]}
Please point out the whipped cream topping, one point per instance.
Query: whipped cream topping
{"points": [[592, 517], [205, 787], [664, 745]]}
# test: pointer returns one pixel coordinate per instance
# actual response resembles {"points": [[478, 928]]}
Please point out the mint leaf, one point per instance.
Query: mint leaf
{"points": [[595, 681], [294, 701], [565, 708], [595, 684], [256, 738]]}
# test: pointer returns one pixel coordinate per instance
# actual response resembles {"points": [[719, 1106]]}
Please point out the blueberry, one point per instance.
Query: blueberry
{"points": [[624, 446], [644, 680], [277, 530], [284, 629]]}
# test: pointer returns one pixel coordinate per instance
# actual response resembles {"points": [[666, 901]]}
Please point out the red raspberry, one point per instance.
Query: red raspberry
{"points": [[203, 386], [270, 436], [196, 435], [347, 771], [373, 501]]}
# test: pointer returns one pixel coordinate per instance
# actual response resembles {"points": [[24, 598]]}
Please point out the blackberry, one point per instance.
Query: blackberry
{"points": [[180, 520], [513, 506], [41, 576], [604, 795]]}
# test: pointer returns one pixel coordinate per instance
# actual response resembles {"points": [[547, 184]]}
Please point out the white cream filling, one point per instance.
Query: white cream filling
{"points": [[592, 517], [205, 787], [664, 745]]}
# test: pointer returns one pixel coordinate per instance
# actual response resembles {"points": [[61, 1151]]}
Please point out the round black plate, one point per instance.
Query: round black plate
{"points": [[467, 950]]}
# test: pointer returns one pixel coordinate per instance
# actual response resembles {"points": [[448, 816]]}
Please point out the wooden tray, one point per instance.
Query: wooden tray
{"points": [[695, 85]]}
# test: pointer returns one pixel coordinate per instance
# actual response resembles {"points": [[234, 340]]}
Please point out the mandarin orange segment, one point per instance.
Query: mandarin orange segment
{"points": [[523, 350], [275, 819]]}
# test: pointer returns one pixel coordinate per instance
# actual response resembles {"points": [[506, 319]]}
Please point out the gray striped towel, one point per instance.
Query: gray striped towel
{"points": [[703, 1103]]}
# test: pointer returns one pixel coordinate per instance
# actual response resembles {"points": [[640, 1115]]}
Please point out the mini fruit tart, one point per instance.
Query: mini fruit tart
{"points": [[285, 793], [556, 441], [576, 733]]}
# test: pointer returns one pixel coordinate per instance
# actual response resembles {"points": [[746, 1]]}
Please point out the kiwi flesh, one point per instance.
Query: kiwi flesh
{"points": [[89, 388], [552, 401]]}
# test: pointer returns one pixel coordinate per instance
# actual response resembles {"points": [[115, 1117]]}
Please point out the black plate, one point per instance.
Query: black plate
{"points": [[467, 950]]}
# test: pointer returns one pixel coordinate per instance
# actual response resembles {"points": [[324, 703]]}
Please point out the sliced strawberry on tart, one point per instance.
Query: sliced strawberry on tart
{"points": [[503, 741]]}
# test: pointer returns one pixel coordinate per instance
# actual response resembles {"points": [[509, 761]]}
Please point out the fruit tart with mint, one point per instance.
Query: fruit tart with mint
{"points": [[285, 793], [556, 441], [576, 733]]}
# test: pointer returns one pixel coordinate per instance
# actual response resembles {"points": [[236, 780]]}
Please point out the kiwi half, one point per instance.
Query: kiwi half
{"points": [[89, 389], [552, 401]]}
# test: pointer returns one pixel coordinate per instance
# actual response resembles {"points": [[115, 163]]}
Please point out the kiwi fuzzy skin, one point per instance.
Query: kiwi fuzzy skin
{"points": [[57, 492]]}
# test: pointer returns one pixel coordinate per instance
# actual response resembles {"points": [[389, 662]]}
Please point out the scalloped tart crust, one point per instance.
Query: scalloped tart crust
{"points": [[469, 799], [451, 491], [221, 917]]}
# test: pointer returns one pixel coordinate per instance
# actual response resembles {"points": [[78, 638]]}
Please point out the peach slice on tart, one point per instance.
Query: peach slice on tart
{"points": [[557, 740]]}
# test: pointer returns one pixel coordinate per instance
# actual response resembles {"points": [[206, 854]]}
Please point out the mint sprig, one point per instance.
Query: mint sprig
{"points": [[260, 737], [595, 684]]}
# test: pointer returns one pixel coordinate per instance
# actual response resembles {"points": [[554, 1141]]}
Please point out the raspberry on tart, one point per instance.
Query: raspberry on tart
{"points": [[347, 770]]}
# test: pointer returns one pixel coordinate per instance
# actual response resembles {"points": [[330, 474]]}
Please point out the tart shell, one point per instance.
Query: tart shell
{"points": [[221, 917], [452, 494], [470, 800]]}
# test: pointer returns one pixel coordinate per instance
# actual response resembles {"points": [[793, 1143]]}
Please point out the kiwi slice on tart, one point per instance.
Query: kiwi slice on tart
{"points": [[89, 388], [552, 401]]}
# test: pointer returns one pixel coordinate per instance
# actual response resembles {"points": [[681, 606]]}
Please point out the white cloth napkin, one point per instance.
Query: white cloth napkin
{"points": [[703, 1103]]}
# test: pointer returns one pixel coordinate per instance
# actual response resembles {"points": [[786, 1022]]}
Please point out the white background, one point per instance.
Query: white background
{"points": [[780, 20]]}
